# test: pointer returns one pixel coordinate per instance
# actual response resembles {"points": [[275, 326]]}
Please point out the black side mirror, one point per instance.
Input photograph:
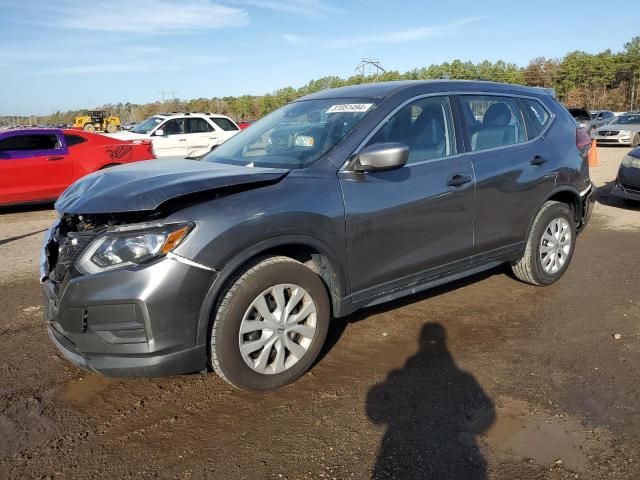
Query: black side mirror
{"points": [[382, 156]]}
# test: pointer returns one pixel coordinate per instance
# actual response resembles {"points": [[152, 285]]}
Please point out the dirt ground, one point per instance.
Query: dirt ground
{"points": [[484, 378]]}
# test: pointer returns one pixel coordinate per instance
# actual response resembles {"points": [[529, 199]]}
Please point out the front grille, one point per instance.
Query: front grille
{"points": [[634, 190], [62, 251], [608, 133]]}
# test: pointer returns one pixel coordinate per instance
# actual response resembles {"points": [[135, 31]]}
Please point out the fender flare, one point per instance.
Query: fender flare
{"points": [[561, 189], [336, 291]]}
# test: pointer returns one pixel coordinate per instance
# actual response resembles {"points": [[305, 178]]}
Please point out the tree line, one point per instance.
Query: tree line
{"points": [[604, 80]]}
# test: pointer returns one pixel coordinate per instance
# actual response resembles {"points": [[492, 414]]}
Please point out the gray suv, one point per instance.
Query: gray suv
{"points": [[340, 200]]}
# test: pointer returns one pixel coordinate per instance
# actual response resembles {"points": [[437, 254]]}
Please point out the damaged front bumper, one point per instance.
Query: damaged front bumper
{"points": [[134, 321]]}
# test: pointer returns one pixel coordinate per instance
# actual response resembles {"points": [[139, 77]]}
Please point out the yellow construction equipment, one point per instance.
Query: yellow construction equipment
{"points": [[98, 121]]}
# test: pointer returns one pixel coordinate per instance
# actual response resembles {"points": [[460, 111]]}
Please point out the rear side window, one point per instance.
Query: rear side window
{"points": [[537, 117], [493, 121], [74, 140], [30, 142], [198, 125], [224, 123], [425, 126]]}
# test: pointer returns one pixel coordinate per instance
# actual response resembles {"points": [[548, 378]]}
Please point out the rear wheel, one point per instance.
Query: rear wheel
{"points": [[89, 127], [270, 325], [550, 245], [111, 128]]}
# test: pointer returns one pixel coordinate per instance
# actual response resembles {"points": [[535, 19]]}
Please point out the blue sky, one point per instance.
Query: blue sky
{"points": [[63, 54]]}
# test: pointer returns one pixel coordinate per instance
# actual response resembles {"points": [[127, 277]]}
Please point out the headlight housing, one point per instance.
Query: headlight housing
{"points": [[624, 133], [131, 245], [630, 162]]}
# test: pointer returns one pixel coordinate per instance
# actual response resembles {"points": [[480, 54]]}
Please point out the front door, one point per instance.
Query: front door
{"points": [[174, 139], [407, 225]]}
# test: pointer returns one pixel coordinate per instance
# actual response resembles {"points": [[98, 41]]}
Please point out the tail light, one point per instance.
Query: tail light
{"points": [[582, 138]]}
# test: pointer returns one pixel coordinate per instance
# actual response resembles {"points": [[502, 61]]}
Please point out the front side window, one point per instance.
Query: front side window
{"points": [[493, 121], [30, 143], [198, 125], [173, 127], [295, 135], [425, 126], [224, 123]]}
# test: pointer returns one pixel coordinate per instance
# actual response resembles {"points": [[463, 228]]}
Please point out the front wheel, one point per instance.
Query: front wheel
{"points": [[270, 325], [550, 245]]}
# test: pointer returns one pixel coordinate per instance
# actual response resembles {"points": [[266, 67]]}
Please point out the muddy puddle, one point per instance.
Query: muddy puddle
{"points": [[545, 439], [86, 389]]}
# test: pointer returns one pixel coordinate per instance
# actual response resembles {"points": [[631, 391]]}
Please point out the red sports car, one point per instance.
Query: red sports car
{"points": [[37, 165]]}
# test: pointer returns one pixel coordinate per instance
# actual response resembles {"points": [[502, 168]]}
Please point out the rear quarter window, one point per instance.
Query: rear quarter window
{"points": [[74, 140], [224, 123], [537, 117]]}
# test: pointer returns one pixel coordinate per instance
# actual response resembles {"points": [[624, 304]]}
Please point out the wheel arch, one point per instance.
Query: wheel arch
{"points": [[308, 250], [564, 194]]}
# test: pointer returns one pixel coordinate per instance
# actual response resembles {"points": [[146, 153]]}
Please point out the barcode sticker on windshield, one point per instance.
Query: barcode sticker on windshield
{"points": [[350, 108]]}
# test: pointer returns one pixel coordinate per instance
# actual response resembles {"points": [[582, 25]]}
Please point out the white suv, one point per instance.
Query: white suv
{"points": [[182, 134]]}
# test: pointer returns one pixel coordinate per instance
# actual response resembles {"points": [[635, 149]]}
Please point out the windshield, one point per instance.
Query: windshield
{"points": [[146, 126], [294, 136], [625, 120], [579, 114]]}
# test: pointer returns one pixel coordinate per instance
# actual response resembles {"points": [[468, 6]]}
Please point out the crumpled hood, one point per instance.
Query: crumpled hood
{"points": [[144, 186]]}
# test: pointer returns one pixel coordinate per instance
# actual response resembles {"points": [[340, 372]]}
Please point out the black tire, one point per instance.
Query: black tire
{"points": [[89, 127], [529, 268], [635, 141], [224, 349]]}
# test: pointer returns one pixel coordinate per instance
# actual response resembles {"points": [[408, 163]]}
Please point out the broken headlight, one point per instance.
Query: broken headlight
{"points": [[131, 245]]}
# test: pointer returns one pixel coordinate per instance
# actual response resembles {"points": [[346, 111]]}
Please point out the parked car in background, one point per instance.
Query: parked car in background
{"points": [[183, 135], [602, 117], [590, 121], [627, 184], [342, 199], [244, 125], [622, 130], [37, 165]]}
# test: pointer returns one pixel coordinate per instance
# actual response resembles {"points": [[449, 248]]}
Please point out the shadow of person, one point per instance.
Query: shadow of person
{"points": [[432, 411]]}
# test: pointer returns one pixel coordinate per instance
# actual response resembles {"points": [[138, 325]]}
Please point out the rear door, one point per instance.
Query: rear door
{"points": [[201, 136], [413, 223], [33, 166], [174, 139], [513, 167]]}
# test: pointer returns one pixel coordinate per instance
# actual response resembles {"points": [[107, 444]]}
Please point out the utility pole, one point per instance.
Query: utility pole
{"points": [[370, 65]]}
